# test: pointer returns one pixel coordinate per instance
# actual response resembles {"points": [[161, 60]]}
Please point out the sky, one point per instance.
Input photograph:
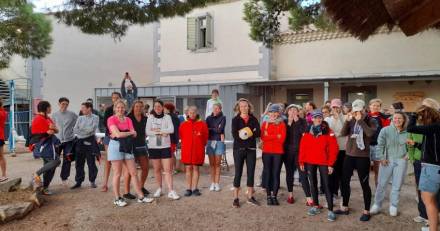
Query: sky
{"points": [[42, 5]]}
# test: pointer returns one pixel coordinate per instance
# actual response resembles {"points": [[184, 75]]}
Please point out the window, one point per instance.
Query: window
{"points": [[200, 33], [365, 93], [299, 96]]}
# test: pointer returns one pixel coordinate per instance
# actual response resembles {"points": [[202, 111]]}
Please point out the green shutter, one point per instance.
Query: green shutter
{"points": [[209, 31], [191, 33]]}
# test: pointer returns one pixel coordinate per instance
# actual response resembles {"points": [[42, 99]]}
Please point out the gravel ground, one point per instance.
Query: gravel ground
{"points": [[90, 209]]}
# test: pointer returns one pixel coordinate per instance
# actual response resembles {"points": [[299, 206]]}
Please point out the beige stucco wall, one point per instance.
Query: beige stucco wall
{"points": [[79, 63], [383, 54], [233, 47]]}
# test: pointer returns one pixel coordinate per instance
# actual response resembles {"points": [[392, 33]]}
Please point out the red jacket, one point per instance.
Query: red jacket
{"points": [[3, 118], [320, 150], [193, 136], [273, 136]]}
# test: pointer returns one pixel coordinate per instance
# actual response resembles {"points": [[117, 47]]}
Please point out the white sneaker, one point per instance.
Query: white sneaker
{"points": [[393, 211], [425, 228], [120, 202], [375, 209], [217, 187], [173, 195], [419, 219], [65, 183], [212, 187], [145, 200], [158, 193]]}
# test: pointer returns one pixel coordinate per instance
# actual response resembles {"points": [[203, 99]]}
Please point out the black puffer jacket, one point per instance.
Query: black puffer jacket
{"points": [[237, 124], [431, 144], [294, 133]]}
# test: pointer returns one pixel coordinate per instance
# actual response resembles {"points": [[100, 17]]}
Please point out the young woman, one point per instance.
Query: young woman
{"points": [[273, 135], [159, 127], [309, 108], [318, 150], [43, 128], [336, 122], [170, 110], [120, 152], [194, 136], [295, 127], [137, 116], [381, 121], [216, 144], [326, 111], [3, 117], [392, 153], [360, 132], [245, 130], [429, 120]]}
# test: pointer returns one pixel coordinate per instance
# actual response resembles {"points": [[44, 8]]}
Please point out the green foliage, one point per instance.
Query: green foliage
{"points": [[22, 32], [264, 17], [114, 17]]}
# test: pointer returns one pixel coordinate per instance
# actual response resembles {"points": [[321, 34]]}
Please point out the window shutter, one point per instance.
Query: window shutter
{"points": [[209, 31], [192, 33]]}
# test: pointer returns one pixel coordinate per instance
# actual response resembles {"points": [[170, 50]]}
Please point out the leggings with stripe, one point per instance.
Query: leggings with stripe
{"points": [[362, 165]]}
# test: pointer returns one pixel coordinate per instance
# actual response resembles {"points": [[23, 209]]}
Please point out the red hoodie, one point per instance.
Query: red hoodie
{"points": [[320, 150], [273, 136], [193, 136]]}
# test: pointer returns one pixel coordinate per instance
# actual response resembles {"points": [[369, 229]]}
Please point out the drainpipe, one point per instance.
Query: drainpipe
{"points": [[326, 86]]}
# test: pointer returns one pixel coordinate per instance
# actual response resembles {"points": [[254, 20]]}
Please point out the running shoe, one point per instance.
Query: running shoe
{"points": [[173, 195], [365, 217], [253, 201], [212, 187], [217, 188], [145, 200], [290, 200], [129, 196], [196, 192], [236, 203], [188, 193], [120, 202], [313, 211], [158, 193], [331, 216]]}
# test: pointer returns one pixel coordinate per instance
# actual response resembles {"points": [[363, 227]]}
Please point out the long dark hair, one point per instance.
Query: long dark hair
{"points": [[134, 103], [427, 115], [43, 106], [153, 112]]}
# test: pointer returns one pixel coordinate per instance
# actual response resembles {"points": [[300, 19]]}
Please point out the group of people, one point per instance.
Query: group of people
{"points": [[333, 140]]}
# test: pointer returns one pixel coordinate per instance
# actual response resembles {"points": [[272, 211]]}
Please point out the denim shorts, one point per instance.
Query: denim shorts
{"points": [[373, 153], [429, 178], [106, 140], [115, 154], [215, 147]]}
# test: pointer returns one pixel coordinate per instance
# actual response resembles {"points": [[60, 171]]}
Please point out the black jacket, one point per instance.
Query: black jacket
{"points": [[176, 124], [108, 113], [216, 126], [294, 134], [431, 144], [238, 124]]}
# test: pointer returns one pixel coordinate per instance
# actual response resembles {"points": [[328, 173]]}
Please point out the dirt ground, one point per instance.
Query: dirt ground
{"points": [[90, 209]]}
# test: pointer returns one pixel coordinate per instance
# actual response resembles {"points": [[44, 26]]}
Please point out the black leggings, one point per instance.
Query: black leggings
{"points": [[336, 177], [240, 156], [312, 172], [272, 169], [290, 160], [362, 165]]}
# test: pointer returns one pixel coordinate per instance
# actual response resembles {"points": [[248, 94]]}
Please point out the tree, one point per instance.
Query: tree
{"points": [[22, 32], [114, 17], [264, 17]]}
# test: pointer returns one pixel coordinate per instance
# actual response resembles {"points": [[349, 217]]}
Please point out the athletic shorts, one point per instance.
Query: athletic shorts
{"points": [[215, 147], [162, 153], [140, 151]]}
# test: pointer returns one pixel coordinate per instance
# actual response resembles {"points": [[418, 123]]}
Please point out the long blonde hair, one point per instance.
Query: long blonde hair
{"points": [[237, 106]]}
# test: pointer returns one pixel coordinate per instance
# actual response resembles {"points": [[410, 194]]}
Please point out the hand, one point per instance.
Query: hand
{"points": [[51, 132], [384, 162], [406, 157], [301, 167], [330, 170], [222, 137], [295, 118], [410, 142], [358, 116]]}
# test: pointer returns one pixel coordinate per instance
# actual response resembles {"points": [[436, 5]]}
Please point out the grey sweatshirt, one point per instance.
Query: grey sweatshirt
{"points": [[86, 126], [65, 121]]}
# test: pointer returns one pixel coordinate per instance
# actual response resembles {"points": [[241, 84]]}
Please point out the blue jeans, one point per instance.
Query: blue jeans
{"points": [[396, 170]]}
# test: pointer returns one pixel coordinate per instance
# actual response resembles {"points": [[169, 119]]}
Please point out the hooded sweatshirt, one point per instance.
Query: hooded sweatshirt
{"points": [[391, 143]]}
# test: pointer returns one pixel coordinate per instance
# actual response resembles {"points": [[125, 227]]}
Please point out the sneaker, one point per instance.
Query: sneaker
{"points": [[393, 211], [342, 212], [196, 192], [188, 193], [145, 200], [158, 193], [269, 200], [173, 195], [120, 202], [365, 217], [275, 201], [331, 216], [313, 211], [129, 196], [420, 219], [93, 185], [253, 201], [46, 192], [36, 180], [236, 203], [217, 188], [375, 209], [64, 183], [212, 187], [145, 191], [290, 200], [425, 228], [76, 186]]}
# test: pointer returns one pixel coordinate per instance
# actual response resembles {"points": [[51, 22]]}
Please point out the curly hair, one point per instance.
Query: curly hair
{"points": [[427, 115], [237, 106]]}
